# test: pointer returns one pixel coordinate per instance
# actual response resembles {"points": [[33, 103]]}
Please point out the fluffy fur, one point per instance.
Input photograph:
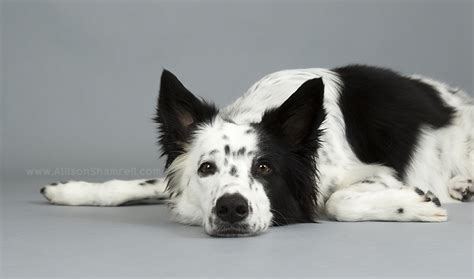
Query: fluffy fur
{"points": [[357, 143]]}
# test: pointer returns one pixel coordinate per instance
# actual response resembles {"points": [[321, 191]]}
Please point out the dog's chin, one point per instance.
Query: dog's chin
{"points": [[239, 230]]}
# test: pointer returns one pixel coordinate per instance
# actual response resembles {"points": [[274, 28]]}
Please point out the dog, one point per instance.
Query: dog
{"points": [[354, 143]]}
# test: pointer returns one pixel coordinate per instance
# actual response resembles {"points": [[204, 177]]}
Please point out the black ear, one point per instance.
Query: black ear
{"points": [[178, 113], [297, 120]]}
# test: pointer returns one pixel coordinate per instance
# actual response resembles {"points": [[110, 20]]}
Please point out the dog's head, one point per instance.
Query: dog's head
{"points": [[237, 179]]}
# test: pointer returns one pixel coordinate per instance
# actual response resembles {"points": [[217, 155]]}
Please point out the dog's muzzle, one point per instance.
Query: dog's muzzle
{"points": [[231, 211]]}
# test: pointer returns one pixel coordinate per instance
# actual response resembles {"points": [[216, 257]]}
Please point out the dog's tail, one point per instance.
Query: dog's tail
{"points": [[110, 193]]}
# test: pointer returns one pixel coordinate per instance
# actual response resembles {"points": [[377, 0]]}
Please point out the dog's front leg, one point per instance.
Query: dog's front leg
{"points": [[110, 193], [375, 202]]}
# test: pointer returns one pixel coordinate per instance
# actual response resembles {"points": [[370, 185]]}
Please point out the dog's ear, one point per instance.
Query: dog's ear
{"points": [[297, 120], [178, 113]]}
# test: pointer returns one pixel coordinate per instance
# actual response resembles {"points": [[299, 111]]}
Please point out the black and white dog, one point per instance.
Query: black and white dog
{"points": [[357, 143]]}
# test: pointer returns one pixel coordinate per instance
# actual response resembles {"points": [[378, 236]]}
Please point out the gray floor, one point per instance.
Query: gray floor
{"points": [[40, 240]]}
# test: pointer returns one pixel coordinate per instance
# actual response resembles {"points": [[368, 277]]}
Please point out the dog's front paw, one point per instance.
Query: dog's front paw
{"points": [[461, 188], [426, 207], [427, 197], [61, 192], [47, 191]]}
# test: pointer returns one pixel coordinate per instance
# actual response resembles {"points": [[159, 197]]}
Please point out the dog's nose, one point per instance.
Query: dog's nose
{"points": [[232, 208]]}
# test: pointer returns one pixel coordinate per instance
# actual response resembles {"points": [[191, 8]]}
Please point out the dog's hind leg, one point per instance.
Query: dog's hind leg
{"points": [[461, 185], [110, 193], [461, 188], [376, 202]]}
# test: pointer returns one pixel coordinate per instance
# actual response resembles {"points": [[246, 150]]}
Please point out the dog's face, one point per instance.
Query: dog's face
{"points": [[238, 179]]}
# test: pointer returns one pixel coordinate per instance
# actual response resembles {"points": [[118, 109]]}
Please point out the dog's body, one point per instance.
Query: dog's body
{"points": [[363, 143]]}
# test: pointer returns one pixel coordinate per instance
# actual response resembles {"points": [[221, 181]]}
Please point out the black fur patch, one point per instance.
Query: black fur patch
{"points": [[419, 191], [151, 181], [233, 171], [384, 112], [241, 151], [436, 201], [288, 139], [227, 150], [400, 210], [178, 114]]}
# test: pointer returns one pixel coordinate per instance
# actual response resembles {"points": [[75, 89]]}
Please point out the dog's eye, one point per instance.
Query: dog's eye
{"points": [[262, 168], [207, 168]]}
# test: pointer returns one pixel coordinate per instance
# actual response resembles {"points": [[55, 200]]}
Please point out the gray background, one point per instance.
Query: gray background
{"points": [[79, 84], [81, 79]]}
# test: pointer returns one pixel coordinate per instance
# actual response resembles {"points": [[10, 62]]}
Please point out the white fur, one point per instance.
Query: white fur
{"points": [[375, 202], [110, 193]]}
